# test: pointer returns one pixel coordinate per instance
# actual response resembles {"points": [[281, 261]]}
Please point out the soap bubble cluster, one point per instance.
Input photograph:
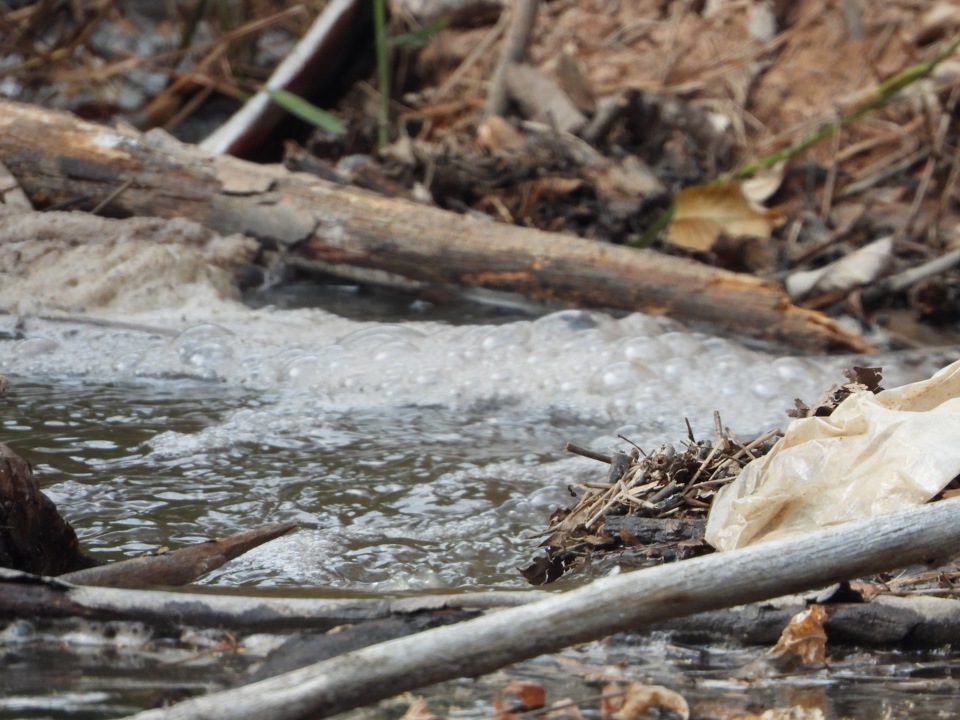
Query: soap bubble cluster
{"points": [[634, 370]]}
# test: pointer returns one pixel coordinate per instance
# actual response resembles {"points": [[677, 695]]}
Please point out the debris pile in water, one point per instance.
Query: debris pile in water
{"points": [[652, 508]]}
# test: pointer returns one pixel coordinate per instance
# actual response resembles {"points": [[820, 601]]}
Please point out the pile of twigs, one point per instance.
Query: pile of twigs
{"points": [[652, 507]]}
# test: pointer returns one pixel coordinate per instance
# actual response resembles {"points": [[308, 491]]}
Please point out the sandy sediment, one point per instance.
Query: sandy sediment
{"points": [[75, 262]]}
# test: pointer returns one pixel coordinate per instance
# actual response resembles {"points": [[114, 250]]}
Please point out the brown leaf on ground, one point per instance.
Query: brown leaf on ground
{"points": [[854, 270], [861, 379], [640, 699], [805, 636], [529, 695], [611, 700], [544, 569], [705, 212], [764, 184]]}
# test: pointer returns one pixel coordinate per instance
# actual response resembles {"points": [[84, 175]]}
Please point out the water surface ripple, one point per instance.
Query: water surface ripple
{"points": [[415, 455]]}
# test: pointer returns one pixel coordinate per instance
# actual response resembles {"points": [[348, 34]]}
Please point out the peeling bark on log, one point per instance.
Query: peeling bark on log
{"points": [[654, 531], [57, 158]]}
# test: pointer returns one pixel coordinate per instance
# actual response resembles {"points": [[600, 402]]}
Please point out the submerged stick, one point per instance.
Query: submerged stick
{"points": [[177, 567], [928, 533]]}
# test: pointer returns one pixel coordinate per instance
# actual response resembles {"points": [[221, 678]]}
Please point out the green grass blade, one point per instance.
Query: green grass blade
{"points": [[296, 105]]}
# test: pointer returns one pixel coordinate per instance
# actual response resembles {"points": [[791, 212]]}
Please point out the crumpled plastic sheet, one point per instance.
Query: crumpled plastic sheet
{"points": [[874, 454]]}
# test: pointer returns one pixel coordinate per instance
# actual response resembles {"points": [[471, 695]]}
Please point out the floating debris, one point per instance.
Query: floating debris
{"points": [[652, 507]]}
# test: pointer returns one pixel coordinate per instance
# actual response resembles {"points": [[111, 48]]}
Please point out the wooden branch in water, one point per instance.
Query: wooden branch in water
{"points": [[928, 533], [25, 595], [176, 567], [58, 159], [587, 453]]}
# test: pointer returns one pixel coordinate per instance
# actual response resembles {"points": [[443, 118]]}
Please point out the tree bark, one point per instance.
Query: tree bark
{"points": [[928, 533], [58, 159]]}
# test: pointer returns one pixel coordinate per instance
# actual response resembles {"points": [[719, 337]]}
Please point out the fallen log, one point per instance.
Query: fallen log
{"points": [[59, 160], [25, 595], [915, 621], [928, 533]]}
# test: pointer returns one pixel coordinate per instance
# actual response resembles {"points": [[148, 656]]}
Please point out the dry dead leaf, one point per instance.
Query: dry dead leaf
{"points": [[856, 269], [541, 99], [530, 695], [573, 79], [804, 636], [611, 700], [705, 212], [641, 698], [764, 183]]}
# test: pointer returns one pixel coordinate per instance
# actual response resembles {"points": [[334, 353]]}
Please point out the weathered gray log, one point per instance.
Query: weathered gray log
{"points": [[929, 533], [917, 621], [57, 158], [25, 595]]}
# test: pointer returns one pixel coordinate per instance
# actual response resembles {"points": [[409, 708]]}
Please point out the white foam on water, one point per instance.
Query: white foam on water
{"points": [[489, 404], [637, 373]]}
